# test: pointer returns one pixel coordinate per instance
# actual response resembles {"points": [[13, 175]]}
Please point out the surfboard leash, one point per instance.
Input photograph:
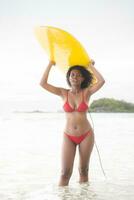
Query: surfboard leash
{"points": [[100, 161]]}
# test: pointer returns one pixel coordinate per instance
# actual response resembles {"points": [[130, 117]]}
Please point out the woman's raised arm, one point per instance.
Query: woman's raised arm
{"points": [[99, 77], [44, 81]]}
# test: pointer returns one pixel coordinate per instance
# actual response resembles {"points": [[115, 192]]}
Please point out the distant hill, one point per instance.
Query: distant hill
{"points": [[111, 105]]}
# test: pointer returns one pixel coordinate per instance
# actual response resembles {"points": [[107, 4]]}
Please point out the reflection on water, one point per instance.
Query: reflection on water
{"points": [[83, 191], [95, 191], [76, 192]]}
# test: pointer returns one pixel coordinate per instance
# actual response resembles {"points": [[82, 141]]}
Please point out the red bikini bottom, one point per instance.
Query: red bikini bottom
{"points": [[78, 139]]}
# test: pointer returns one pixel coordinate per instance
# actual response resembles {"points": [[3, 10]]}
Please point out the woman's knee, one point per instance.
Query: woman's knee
{"points": [[66, 173], [83, 171]]}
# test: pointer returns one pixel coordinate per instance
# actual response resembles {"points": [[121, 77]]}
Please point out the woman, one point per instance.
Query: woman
{"points": [[78, 130]]}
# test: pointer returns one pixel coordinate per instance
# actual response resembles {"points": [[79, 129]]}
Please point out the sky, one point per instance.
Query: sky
{"points": [[104, 27]]}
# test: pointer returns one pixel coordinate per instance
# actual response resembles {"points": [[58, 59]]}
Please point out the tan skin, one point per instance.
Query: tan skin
{"points": [[76, 122]]}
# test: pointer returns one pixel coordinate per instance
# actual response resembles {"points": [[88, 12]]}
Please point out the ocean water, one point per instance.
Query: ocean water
{"points": [[30, 149]]}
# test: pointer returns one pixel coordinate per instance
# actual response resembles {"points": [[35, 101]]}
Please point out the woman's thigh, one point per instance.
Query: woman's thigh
{"points": [[85, 149], [67, 154]]}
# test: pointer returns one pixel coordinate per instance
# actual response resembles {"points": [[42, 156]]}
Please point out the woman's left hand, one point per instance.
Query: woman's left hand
{"points": [[91, 63]]}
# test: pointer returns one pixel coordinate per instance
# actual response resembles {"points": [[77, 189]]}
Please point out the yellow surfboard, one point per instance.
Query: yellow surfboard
{"points": [[62, 47]]}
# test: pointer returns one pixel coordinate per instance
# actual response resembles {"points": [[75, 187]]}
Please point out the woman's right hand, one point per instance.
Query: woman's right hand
{"points": [[51, 62]]}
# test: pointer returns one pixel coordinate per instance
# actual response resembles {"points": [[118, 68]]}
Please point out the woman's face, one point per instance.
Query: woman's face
{"points": [[76, 78]]}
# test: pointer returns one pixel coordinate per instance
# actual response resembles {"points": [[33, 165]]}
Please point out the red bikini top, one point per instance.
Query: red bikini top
{"points": [[83, 107]]}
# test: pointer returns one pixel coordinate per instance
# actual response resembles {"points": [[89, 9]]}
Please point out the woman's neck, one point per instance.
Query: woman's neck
{"points": [[75, 90]]}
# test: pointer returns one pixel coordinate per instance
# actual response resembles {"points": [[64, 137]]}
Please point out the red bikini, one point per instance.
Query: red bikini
{"points": [[78, 139], [83, 107]]}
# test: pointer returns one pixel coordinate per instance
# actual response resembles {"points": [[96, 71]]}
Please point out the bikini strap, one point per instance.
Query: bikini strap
{"points": [[82, 95], [67, 95]]}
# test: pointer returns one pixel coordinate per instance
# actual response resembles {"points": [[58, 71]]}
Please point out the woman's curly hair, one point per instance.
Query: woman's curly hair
{"points": [[88, 77]]}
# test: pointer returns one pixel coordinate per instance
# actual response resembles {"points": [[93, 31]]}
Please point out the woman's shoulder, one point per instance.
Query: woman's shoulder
{"points": [[64, 91], [86, 93]]}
